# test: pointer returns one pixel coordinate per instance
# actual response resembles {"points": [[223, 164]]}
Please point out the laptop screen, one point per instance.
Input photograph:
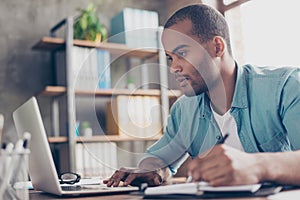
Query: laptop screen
{"points": [[42, 171]]}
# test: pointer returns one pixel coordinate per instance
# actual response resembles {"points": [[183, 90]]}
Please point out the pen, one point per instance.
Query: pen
{"points": [[190, 178], [6, 155], [7, 149], [1, 126], [223, 139], [19, 169]]}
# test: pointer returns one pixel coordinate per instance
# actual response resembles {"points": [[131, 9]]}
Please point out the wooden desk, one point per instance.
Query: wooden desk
{"points": [[35, 195]]}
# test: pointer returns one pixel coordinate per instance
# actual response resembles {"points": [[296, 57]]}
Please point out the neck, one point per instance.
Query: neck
{"points": [[221, 96]]}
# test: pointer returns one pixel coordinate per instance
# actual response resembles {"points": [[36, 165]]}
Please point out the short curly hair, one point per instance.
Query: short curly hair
{"points": [[207, 22]]}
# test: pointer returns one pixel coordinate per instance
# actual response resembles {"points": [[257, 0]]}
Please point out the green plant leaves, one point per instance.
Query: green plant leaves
{"points": [[83, 21], [88, 25]]}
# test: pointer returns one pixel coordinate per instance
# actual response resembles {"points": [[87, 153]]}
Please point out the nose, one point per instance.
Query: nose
{"points": [[175, 66]]}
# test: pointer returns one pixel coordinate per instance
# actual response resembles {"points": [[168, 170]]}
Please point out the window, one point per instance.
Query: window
{"points": [[266, 32], [226, 2]]}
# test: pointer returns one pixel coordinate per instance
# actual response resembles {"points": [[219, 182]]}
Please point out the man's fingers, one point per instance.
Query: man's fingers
{"points": [[116, 178], [222, 167], [109, 181], [130, 178], [221, 181], [157, 180], [134, 177], [152, 178], [208, 161]]}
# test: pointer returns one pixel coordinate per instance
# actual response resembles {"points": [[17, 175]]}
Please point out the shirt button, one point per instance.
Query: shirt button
{"points": [[218, 137]]}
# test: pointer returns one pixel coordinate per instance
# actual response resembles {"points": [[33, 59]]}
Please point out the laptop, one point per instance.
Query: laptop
{"points": [[42, 171]]}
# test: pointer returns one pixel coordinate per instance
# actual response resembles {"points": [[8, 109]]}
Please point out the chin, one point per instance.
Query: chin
{"points": [[190, 92]]}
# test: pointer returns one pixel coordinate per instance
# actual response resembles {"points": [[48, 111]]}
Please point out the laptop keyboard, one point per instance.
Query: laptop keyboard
{"points": [[88, 187], [71, 188]]}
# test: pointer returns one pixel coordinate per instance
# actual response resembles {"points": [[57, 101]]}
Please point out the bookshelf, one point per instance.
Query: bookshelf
{"points": [[60, 90], [54, 44], [115, 138], [59, 44], [102, 138], [55, 140]]}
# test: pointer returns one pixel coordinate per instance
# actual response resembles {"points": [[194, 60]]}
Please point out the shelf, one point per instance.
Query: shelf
{"points": [[53, 91], [58, 44], [60, 90], [103, 138], [116, 138], [57, 139]]}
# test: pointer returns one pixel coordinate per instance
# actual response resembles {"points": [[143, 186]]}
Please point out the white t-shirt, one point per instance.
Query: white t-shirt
{"points": [[227, 124]]}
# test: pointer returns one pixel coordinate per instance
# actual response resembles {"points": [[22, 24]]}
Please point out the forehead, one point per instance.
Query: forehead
{"points": [[183, 26], [179, 34]]}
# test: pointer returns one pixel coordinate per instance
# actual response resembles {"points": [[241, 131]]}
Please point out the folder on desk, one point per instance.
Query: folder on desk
{"points": [[204, 190]]}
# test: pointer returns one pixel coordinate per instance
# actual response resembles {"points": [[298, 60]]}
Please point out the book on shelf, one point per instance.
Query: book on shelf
{"points": [[134, 116], [135, 27], [103, 66], [79, 159], [96, 159], [90, 68]]}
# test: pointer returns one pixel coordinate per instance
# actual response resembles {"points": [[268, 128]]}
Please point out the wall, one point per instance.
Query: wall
{"points": [[174, 5], [24, 72]]}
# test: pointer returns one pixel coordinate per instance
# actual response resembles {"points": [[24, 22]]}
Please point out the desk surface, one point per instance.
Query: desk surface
{"points": [[36, 195]]}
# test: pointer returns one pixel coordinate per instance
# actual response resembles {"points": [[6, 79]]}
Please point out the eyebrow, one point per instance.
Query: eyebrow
{"points": [[179, 47]]}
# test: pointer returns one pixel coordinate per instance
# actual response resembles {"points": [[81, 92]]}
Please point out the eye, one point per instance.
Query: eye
{"points": [[181, 53], [169, 60]]}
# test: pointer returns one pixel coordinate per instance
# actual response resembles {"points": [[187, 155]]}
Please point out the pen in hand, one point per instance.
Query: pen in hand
{"points": [[189, 179], [223, 139]]}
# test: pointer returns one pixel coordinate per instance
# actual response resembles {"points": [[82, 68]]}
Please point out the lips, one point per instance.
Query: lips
{"points": [[182, 80]]}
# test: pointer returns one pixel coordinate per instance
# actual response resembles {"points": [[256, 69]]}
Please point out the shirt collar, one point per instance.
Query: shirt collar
{"points": [[240, 92], [239, 97]]}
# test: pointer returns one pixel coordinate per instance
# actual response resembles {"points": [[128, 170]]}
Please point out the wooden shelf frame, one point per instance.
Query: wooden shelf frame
{"points": [[103, 138], [58, 139], [58, 44], [116, 138], [61, 90], [53, 44], [222, 7]]}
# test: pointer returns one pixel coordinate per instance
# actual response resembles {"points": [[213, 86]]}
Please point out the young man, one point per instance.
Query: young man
{"points": [[258, 107]]}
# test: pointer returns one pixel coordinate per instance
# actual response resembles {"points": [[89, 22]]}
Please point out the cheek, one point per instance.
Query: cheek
{"points": [[195, 78], [198, 68], [207, 69]]}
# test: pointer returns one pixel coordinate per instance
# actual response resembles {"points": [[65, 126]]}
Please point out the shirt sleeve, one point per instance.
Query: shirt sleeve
{"points": [[170, 148], [290, 108]]}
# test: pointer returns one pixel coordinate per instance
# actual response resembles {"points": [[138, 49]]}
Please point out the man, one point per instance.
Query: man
{"points": [[258, 107]]}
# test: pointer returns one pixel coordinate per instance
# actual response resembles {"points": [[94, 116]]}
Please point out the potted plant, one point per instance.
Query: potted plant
{"points": [[88, 26]]}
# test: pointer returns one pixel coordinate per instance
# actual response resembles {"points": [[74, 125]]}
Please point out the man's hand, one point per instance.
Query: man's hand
{"points": [[133, 176], [223, 165]]}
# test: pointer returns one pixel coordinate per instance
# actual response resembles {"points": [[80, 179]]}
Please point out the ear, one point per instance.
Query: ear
{"points": [[220, 46]]}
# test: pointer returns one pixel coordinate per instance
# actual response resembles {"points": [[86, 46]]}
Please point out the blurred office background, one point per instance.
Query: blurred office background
{"points": [[24, 72], [264, 32]]}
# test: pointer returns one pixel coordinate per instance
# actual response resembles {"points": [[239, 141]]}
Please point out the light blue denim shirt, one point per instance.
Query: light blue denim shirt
{"points": [[266, 108]]}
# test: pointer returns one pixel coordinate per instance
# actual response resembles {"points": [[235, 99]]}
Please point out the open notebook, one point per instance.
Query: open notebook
{"points": [[27, 118], [199, 188], [204, 191]]}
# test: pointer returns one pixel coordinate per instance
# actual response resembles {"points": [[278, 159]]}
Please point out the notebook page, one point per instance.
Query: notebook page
{"points": [[198, 187]]}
